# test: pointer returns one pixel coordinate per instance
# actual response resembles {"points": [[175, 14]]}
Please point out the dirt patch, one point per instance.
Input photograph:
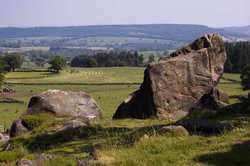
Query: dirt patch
{"points": [[10, 95]]}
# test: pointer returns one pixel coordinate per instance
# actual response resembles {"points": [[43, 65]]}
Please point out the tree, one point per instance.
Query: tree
{"points": [[57, 63], [151, 58], [13, 61], [92, 62], [245, 78], [2, 64]]}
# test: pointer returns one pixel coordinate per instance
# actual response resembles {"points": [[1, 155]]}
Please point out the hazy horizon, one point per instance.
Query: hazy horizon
{"points": [[57, 13]]}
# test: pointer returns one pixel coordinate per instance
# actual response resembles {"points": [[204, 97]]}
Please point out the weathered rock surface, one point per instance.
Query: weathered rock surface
{"points": [[174, 85], [64, 103], [77, 104], [216, 99]]}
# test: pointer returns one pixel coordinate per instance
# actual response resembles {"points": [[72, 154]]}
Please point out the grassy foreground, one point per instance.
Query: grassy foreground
{"points": [[124, 142]]}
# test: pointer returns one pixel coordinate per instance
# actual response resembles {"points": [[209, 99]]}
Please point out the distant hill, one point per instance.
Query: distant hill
{"points": [[243, 30], [75, 40], [175, 32]]}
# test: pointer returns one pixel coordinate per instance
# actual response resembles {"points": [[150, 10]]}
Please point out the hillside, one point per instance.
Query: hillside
{"points": [[243, 30], [178, 32], [72, 41]]}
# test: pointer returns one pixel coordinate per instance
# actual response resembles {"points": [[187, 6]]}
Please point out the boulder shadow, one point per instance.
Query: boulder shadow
{"points": [[91, 137], [238, 155], [239, 97]]}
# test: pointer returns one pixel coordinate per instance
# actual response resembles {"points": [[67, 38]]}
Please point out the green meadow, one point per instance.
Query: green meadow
{"points": [[121, 142], [80, 75]]}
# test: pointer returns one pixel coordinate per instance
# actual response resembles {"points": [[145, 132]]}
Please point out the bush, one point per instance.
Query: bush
{"points": [[245, 78]]}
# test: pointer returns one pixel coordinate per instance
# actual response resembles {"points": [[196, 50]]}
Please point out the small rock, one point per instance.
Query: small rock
{"points": [[24, 162], [18, 128], [8, 147], [175, 130], [8, 90], [74, 124], [84, 162], [4, 138], [43, 156], [89, 160]]}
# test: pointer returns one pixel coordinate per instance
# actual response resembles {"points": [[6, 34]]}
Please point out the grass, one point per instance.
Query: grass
{"points": [[23, 49], [81, 75], [195, 150], [122, 142]]}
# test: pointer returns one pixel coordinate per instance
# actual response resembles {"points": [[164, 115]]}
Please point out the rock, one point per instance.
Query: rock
{"points": [[214, 100], [8, 147], [18, 128], [43, 157], [201, 126], [64, 103], [78, 104], [175, 130], [4, 138], [174, 85], [89, 160], [24, 162], [40, 159], [84, 162], [7, 90]]}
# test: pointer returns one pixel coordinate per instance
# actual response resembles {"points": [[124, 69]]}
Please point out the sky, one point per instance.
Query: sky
{"points": [[213, 13]]}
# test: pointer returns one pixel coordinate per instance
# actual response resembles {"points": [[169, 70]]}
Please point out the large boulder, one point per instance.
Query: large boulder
{"points": [[76, 104], [64, 103], [174, 85]]}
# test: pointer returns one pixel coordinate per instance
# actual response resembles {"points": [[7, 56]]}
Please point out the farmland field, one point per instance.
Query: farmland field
{"points": [[80, 75], [150, 149]]}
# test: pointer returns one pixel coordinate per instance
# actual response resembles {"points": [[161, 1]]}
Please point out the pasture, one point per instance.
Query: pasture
{"points": [[80, 75], [142, 146]]}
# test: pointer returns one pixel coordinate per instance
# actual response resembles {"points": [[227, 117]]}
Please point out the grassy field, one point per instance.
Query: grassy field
{"points": [[81, 75], [23, 49], [123, 142]]}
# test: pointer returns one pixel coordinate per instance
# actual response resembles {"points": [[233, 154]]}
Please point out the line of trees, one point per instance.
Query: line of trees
{"points": [[108, 60], [238, 56]]}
